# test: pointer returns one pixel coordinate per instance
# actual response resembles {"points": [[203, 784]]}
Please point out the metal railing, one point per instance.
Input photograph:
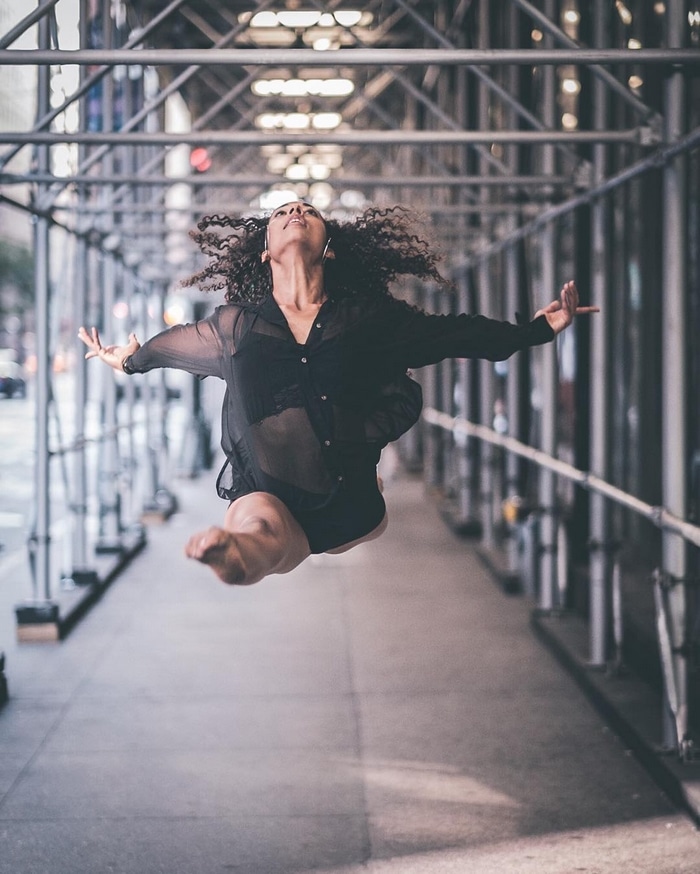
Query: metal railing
{"points": [[659, 516], [675, 690]]}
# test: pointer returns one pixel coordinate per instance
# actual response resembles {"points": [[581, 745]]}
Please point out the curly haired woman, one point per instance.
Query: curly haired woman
{"points": [[314, 351]]}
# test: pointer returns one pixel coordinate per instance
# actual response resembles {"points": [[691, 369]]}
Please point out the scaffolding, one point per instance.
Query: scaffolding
{"points": [[515, 135]]}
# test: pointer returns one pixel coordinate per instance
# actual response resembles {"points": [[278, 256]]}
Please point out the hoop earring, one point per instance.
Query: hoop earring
{"points": [[325, 250], [265, 254]]}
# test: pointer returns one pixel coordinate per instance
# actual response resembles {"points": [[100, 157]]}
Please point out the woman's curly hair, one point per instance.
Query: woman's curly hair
{"points": [[370, 252]]}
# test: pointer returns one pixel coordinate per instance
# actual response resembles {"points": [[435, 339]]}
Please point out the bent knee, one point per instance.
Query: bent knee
{"points": [[258, 513], [268, 520]]}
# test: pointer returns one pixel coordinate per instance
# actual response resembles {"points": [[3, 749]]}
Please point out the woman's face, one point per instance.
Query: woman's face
{"points": [[296, 226]]}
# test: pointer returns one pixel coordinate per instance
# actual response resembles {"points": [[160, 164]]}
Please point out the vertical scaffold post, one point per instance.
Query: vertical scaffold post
{"points": [[599, 513], [110, 533], [109, 475], [512, 295], [82, 573], [674, 397], [486, 307], [549, 376], [40, 547]]}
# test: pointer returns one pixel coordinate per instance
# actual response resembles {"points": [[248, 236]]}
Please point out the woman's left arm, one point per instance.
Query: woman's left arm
{"points": [[418, 338]]}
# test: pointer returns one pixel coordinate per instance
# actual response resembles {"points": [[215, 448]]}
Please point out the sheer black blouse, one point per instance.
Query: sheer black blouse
{"points": [[301, 419]]}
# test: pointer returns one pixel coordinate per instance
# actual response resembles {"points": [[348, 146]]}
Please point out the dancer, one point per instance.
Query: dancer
{"points": [[314, 350]]}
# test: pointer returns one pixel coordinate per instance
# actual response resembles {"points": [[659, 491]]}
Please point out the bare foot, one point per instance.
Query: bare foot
{"points": [[218, 548]]}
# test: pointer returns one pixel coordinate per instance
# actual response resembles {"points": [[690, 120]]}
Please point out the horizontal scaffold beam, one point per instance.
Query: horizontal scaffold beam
{"points": [[346, 57], [207, 180], [341, 137], [197, 209]]}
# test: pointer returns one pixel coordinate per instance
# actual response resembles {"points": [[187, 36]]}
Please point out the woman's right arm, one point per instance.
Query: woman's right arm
{"points": [[197, 348]]}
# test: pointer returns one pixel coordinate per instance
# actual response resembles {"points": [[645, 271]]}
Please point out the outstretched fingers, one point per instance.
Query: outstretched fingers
{"points": [[91, 340], [112, 355], [560, 313], [569, 301]]}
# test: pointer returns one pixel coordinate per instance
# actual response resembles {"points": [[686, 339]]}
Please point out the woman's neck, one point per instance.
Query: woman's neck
{"points": [[296, 285]]}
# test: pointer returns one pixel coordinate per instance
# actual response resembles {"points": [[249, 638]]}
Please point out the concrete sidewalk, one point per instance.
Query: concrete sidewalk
{"points": [[389, 710]]}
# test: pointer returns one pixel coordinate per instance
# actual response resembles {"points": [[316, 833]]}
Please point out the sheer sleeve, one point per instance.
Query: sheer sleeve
{"points": [[417, 338], [199, 348]]}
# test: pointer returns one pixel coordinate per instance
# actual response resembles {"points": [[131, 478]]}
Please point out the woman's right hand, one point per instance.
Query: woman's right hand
{"points": [[115, 356]]}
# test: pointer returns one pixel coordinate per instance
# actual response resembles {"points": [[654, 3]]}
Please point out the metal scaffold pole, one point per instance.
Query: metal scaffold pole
{"points": [[599, 509], [674, 397], [486, 307], [41, 606], [512, 402], [81, 573], [109, 493], [548, 375], [358, 57]]}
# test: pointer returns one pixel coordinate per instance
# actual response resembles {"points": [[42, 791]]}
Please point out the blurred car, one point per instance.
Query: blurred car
{"points": [[12, 382]]}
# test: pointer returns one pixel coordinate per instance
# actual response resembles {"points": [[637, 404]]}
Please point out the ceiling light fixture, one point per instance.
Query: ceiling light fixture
{"points": [[298, 18], [298, 121], [336, 87]]}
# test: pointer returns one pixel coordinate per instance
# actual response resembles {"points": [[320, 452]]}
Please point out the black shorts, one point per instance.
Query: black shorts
{"points": [[353, 512]]}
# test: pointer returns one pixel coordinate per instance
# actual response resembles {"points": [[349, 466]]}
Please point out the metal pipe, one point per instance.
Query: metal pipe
{"points": [[42, 477], [600, 369], [264, 57], [342, 137], [485, 306], [464, 446], [151, 484], [548, 370], [562, 564], [207, 180], [658, 516], [109, 492], [128, 159], [79, 506], [617, 614], [512, 298], [245, 207], [674, 368], [110, 487]]}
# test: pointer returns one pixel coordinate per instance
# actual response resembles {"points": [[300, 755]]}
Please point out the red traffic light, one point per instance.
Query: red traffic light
{"points": [[200, 160]]}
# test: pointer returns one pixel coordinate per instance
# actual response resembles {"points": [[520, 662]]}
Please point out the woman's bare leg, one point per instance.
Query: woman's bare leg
{"points": [[259, 537]]}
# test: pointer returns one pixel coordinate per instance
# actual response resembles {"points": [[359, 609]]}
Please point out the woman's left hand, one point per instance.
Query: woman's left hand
{"points": [[560, 313]]}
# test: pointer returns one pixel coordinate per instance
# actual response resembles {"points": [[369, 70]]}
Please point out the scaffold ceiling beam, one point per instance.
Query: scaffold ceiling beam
{"points": [[347, 57], [347, 138]]}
